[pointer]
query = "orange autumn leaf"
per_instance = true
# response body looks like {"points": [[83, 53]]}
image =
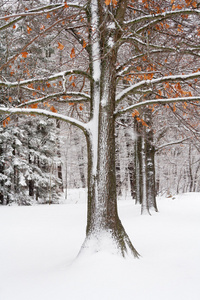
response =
{"points": [[65, 5], [60, 46], [46, 104], [84, 44], [24, 54], [114, 2], [42, 27], [52, 108], [71, 103], [6, 19], [70, 78], [81, 107], [73, 84], [30, 85], [135, 113], [194, 4], [5, 122], [48, 16], [29, 29], [142, 121], [35, 105], [179, 86], [72, 55], [14, 26], [10, 99], [48, 84], [107, 2]]}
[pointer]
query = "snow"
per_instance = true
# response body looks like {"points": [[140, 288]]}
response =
{"points": [[39, 247], [96, 43]]}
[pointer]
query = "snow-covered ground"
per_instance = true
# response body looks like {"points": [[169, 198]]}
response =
{"points": [[39, 245]]}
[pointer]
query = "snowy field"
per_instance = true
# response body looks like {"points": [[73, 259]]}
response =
{"points": [[39, 245]]}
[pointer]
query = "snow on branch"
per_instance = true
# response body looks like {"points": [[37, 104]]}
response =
{"points": [[45, 113], [42, 79], [190, 51], [43, 9], [36, 11], [172, 143], [127, 66], [149, 83], [138, 41], [159, 17], [84, 98], [156, 101]]}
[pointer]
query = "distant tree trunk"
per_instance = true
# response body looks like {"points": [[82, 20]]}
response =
{"points": [[150, 155], [145, 163], [138, 161], [145, 202], [80, 162], [117, 164], [59, 166], [2, 173], [131, 164]]}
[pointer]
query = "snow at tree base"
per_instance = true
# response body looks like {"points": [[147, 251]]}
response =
{"points": [[40, 244]]}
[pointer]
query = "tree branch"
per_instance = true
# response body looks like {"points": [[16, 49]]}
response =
{"points": [[148, 83], [155, 18], [50, 78], [156, 101], [172, 143], [45, 113]]}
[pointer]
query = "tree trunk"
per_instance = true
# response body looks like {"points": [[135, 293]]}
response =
{"points": [[103, 223]]}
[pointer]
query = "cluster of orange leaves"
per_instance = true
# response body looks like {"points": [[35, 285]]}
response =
{"points": [[136, 114], [108, 2], [6, 121]]}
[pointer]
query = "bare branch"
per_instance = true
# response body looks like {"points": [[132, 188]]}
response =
{"points": [[172, 143]]}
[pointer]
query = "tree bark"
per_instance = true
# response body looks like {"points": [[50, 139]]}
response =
{"points": [[103, 223]]}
